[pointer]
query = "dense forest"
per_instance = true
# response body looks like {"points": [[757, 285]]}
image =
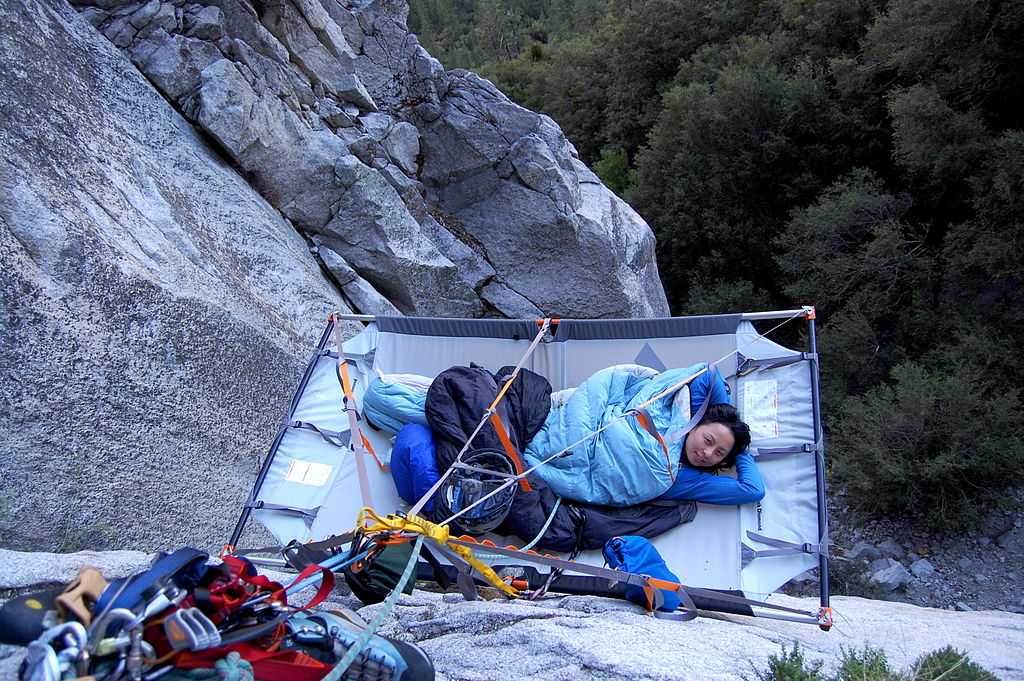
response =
{"points": [[863, 156]]}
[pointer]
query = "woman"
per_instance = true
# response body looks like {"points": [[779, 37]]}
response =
{"points": [[719, 441]]}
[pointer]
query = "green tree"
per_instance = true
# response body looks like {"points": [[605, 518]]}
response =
{"points": [[984, 257], [645, 41], [734, 147], [568, 83], [853, 249], [939, 444]]}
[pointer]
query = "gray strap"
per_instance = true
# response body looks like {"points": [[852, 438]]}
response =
{"points": [[785, 548], [684, 592], [351, 358], [695, 419], [304, 512], [766, 453], [333, 437], [464, 576], [748, 365]]}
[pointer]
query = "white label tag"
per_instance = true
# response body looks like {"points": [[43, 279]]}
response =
{"points": [[309, 473], [761, 408]]}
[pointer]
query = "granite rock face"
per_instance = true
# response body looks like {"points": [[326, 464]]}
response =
{"points": [[444, 196], [156, 312], [188, 188]]}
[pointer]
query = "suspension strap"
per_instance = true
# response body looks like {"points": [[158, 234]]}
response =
{"points": [[353, 421], [506, 444], [429, 494]]}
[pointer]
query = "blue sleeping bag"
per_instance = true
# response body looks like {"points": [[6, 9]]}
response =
{"points": [[624, 464], [393, 401]]}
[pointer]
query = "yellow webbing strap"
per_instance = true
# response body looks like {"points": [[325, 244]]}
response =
{"points": [[438, 533]]}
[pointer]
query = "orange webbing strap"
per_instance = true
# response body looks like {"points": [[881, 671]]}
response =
{"points": [[645, 419], [369, 448], [543, 324], [353, 422], [506, 444], [346, 385]]}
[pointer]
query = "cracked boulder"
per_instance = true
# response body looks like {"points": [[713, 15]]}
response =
{"points": [[157, 312], [484, 207]]}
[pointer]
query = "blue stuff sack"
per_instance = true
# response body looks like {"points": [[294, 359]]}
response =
{"points": [[638, 556], [414, 464]]}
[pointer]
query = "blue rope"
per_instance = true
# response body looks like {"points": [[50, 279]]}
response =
{"points": [[389, 603]]}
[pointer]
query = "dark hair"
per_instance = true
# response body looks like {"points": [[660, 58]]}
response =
{"points": [[729, 416]]}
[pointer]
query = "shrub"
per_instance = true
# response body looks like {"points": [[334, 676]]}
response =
{"points": [[949, 665], [936, 442], [870, 664], [790, 666]]}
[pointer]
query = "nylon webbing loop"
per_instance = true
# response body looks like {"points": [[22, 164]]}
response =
{"points": [[329, 436], [784, 548], [506, 444], [645, 419], [304, 512], [350, 357], [748, 365], [767, 453]]}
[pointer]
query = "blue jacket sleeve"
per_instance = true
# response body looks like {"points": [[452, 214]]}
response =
{"points": [[695, 485], [709, 385]]}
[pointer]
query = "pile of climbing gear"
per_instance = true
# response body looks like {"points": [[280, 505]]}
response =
{"points": [[185, 618]]}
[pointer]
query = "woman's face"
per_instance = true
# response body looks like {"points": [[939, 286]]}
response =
{"points": [[708, 444]]}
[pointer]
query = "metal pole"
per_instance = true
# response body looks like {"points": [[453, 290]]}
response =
{"points": [[745, 316], [819, 461], [247, 509]]}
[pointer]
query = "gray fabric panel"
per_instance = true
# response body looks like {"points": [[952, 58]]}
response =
{"points": [[666, 327], [514, 329]]}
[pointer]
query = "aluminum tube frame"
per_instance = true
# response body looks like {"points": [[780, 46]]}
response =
{"points": [[745, 316], [819, 463], [265, 468]]}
